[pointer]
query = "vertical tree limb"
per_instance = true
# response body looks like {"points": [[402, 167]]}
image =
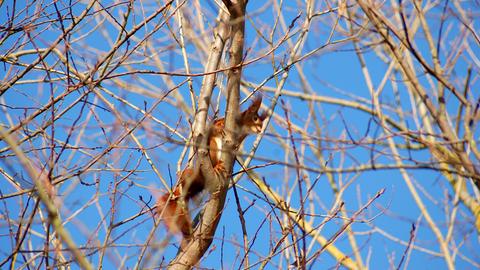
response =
{"points": [[217, 184]]}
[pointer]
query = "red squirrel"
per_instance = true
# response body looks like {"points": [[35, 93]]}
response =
{"points": [[172, 208]]}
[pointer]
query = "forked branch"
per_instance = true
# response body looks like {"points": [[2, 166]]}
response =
{"points": [[217, 184]]}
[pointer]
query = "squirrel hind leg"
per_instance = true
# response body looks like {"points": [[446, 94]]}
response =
{"points": [[192, 182]]}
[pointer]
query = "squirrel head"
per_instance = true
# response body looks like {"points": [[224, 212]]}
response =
{"points": [[250, 120]]}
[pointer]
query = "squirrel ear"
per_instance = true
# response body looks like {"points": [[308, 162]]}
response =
{"points": [[256, 102], [263, 115]]}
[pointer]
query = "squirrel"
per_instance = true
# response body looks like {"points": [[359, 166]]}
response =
{"points": [[172, 208]]}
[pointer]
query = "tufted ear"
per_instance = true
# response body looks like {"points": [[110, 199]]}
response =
{"points": [[256, 102], [263, 115]]}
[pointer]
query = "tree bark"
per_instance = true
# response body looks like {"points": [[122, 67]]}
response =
{"points": [[217, 184]]}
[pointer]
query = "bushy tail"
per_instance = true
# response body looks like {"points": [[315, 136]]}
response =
{"points": [[172, 208], [173, 211]]}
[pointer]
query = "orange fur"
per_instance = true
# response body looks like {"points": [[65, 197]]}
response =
{"points": [[173, 211], [173, 208]]}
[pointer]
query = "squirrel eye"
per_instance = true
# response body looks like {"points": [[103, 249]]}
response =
{"points": [[255, 118]]}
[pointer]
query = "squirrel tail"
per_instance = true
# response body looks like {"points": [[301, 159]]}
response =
{"points": [[173, 211]]}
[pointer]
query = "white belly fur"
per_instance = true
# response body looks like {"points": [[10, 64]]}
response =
{"points": [[218, 142]]}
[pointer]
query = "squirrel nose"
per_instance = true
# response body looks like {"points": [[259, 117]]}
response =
{"points": [[257, 129]]}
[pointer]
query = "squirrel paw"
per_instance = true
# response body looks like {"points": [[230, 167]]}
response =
{"points": [[219, 167]]}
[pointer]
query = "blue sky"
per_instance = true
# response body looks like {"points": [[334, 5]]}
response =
{"points": [[125, 173]]}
